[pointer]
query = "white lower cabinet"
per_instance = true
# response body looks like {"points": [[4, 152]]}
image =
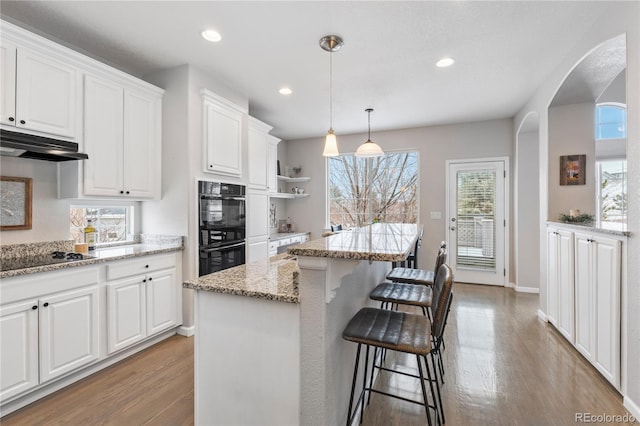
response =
{"points": [[560, 279], [46, 338], [584, 281], [18, 348], [141, 305], [597, 283], [257, 250]]}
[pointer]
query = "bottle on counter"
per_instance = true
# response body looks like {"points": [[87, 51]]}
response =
{"points": [[90, 235]]}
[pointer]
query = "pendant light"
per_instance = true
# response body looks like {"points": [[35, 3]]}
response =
{"points": [[369, 148], [331, 43]]}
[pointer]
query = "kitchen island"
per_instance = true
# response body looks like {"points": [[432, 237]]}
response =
{"points": [[268, 346]]}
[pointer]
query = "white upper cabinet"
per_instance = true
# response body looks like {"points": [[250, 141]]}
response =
{"points": [[39, 91], [222, 134], [272, 163], [258, 134], [7, 83], [122, 139]]}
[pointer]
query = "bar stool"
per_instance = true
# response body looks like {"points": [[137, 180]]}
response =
{"points": [[402, 332], [417, 276]]}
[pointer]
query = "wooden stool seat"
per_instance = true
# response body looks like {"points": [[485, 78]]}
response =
{"points": [[405, 294]]}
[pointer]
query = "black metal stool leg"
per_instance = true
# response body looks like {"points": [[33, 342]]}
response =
{"points": [[424, 390], [353, 384], [373, 368], [364, 383], [433, 393], [433, 362]]}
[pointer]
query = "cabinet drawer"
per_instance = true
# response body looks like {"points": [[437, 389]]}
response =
{"points": [[141, 265]]}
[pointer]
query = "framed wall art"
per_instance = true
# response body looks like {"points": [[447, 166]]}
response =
{"points": [[572, 169], [15, 195]]}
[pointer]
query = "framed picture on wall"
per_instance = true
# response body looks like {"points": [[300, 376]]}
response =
{"points": [[572, 169], [15, 195]]}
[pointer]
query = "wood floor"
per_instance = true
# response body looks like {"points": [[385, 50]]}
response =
{"points": [[503, 366]]}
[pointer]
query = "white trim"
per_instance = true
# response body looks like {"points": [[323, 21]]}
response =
{"points": [[533, 290], [186, 331], [542, 316], [632, 407]]}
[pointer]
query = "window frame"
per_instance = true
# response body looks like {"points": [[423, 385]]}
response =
{"points": [[598, 124]]}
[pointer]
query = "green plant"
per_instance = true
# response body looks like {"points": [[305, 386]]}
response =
{"points": [[584, 218]]}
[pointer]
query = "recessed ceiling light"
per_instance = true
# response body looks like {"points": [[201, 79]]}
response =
{"points": [[285, 91], [445, 62], [211, 35]]}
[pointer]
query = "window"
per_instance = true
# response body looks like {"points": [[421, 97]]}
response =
{"points": [[611, 121], [612, 197], [391, 180], [112, 223]]}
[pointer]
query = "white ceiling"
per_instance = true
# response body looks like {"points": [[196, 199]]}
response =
{"points": [[504, 51]]}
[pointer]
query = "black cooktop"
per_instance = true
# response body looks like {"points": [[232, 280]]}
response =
{"points": [[42, 260]]}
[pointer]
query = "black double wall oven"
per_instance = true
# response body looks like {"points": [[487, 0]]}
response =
{"points": [[222, 226]]}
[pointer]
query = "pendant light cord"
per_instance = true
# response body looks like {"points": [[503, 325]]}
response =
{"points": [[331, 90]]}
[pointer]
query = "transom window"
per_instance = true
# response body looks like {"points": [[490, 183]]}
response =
{"points": [[611, 121], [381, 189], [112, 223]]}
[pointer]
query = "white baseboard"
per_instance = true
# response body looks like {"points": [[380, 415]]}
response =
{"points": [[632, 407], [534, 290], [542, 316], [186, 331]]}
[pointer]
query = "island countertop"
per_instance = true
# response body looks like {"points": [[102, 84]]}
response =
{"points": [[386, 242], [272, 279]]}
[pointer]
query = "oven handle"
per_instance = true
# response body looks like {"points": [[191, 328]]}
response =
{"points": [[221, 197], [223, 248]]}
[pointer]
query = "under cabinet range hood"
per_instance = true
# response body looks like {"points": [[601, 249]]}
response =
{"points": [[38, 147]]}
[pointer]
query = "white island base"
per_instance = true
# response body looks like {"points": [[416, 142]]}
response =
{"points": [[267, 362]]}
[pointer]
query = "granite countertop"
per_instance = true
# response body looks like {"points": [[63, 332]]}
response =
{"points": [[15, 256], [387, 242], [272, 279], [591, 228]]}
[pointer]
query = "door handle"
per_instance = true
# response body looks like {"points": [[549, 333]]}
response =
{"points": [[453, 228]]}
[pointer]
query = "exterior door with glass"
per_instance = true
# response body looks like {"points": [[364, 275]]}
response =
{"points": [[476, 220]]}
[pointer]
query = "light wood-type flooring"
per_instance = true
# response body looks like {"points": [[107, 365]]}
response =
{"points": [[503, 366]]}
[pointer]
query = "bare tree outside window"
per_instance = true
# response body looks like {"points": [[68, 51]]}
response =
{"points": [[392, 180]]}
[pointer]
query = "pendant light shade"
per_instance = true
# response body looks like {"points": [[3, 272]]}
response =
{"points": [[331, 43], [369, 148], [330, 145]]}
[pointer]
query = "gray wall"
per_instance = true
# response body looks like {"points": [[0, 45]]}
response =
{"points": [[435, 145], [571, 132]]}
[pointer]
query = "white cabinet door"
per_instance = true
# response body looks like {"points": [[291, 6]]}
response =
{"points": [[126, 313], [161, 300], [257, 153], [45, 94], [68, 331], [18, 348], [272, 163], [103, 137], [142, 144], [223, 137], [566, 285], [585, 297], [606, 262], [257, 214], [258, 250], [7, 83], [552, 276]]}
